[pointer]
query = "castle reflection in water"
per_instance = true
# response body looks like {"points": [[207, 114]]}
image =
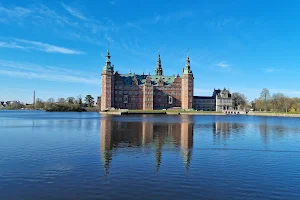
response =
{"points": [[117, 134]]}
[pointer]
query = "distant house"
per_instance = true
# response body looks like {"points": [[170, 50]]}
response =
{"points": [[220, 101]]}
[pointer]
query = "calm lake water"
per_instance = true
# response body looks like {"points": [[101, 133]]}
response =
{"points": [[89, 156]]}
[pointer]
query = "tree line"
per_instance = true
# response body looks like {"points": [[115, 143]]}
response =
{"points": [[61, 104], [268, 102], [276, 102]]}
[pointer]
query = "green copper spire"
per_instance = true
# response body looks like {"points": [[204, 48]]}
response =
{"points": [[107, 65], [158, 70], [187, 69]]}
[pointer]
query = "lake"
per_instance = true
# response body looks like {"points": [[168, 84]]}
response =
{"points": [[92, 156]]}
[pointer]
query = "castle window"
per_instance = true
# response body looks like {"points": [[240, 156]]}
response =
{"points": [[120, 92], [170, 100]]}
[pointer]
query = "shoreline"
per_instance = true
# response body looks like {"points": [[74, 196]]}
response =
{"points": [[161, 112], [164, 112]]}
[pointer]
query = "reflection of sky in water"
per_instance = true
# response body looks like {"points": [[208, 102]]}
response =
{"points": [[217, 157]]}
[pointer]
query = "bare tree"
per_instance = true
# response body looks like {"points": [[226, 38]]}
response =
{"points": [[265, 96], [51, 100], [39, 104], [61, 100], [239, 100]]}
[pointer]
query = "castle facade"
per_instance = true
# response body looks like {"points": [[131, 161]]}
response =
{"points": [[146, 92], [157, 91]]}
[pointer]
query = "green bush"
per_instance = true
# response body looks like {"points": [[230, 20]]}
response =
{"points": [[63, 107]]}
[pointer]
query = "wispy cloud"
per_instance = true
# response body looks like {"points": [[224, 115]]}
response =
{"points": [[135, 26], [48, 73], [34, 45], [270, 70], [11, 45], [47, 15], [50, 48], [113, 3], [222, 64], [175, 16], [74, 12], [108, 38], [14, 11]]}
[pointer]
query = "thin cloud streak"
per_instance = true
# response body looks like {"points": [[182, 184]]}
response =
{"points": [[11, 45], [74, 12], [14, 12], [34, 45], [270, 70], [48, 73], [223, 64]]}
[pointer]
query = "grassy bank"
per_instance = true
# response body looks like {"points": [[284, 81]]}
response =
{"points": [[275, 114]]}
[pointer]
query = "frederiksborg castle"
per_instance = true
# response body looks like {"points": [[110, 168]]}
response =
{"points": [[157, 91]]}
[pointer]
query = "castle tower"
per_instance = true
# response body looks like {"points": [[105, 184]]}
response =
{"points": [[187, 86], [107, 97], [158, 70], [148, 95]]}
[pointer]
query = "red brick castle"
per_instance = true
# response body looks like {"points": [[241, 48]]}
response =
{"points": [[146, 92]]}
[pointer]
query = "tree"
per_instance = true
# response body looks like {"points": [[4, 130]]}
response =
{"points": [[51, 100], [278, 102], [39, 104], [61, 100], [89, 100], [71, 100], [292, 110], [265, 96], [15, 106], [239, 100], [79, 99]]}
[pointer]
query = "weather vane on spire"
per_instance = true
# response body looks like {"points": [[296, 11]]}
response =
{"points": [[187, 52], [107, 46]]}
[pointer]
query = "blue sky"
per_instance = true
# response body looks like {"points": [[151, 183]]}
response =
{"points": [[57, 47]]}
